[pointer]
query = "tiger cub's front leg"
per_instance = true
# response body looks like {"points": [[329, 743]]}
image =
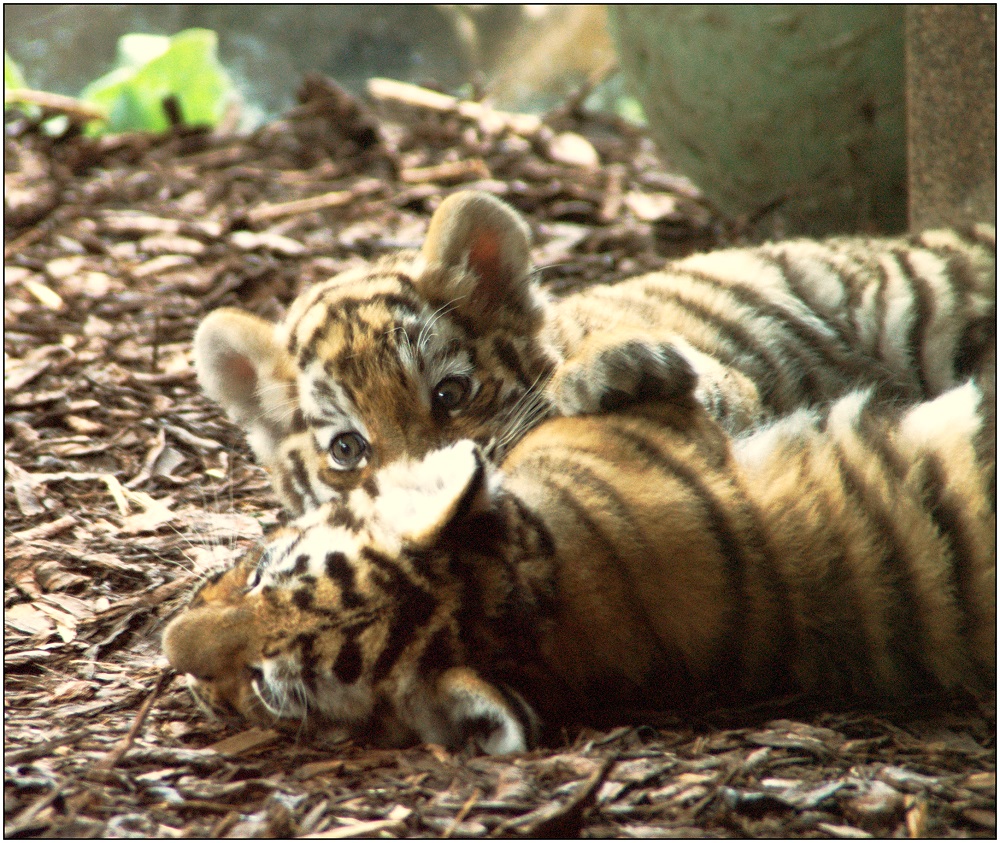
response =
{"points": [[612, 371]]}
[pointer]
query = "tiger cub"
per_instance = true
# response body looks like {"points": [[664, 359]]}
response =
{"points": [[640, 559], [458, 341]]}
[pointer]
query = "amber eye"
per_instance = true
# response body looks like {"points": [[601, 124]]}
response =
{"points": [[347, 450], [451, 393]]}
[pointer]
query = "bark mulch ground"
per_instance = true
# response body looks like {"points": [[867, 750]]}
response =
{"points": [[123, 485]]}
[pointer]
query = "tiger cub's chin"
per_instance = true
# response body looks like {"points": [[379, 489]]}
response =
{"points": [[633, 560]]}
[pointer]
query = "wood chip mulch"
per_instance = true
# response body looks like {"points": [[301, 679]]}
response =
{"points": [[123, 485]]}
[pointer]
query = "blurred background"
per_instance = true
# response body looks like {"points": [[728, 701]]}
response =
{"points": [[796, 112], [524, 57]]}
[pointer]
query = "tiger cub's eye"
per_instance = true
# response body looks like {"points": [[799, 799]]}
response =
{"points": [[347, 450], [254, 579], [451, 393]]}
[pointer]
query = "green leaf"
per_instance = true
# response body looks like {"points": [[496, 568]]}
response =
{"points": [[152, 68], [137, 49], [12, 76]]}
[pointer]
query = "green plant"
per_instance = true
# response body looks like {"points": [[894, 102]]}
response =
{"points": [[12, 76], [152, 68]]}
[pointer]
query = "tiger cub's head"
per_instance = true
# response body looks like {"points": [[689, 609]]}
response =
{"points": [[412, 353], [347, 620]]}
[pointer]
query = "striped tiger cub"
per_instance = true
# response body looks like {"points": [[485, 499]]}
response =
{"points": [[458, 341], [636, 559]]}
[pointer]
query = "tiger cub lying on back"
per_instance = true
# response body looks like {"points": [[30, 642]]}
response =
{"points": [[635, 559], [458, 341]]}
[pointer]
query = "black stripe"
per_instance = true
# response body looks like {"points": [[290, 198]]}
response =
{"points": [[439, 654], [949, 516], [290, 495], [856, 287], [301, 475], [794, 277], [287, 551], [324, 390], [922, 310], [487, 403], [850, 319], [306, 641], [340, 571], [872, 427], [314, 293], [524, 714], [906, 636], [809, 340], [414, 606], [211, 579], [959, 272], [540, 530], [509, 356], [342, 516], [837, 352], [349, 663], [844, 647], [978, 339]]}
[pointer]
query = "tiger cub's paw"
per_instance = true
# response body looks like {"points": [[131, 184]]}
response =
{"points": [[615, 376]]}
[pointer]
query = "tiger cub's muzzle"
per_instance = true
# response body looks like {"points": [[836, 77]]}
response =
{"points": [[213, 645]]}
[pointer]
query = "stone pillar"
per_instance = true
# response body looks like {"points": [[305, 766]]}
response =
{"points": [[951, 90]]}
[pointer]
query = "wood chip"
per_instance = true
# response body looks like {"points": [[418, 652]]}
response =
{"points": [[246, 741], [46, 295], [371, 828], [844, 832], [46, 531], [251, 240]]}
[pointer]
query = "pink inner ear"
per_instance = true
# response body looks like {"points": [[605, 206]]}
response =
{"points": [[484, 260], [239, 368]]}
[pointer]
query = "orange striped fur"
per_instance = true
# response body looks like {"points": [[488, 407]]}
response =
{"points": [[640, 558]]}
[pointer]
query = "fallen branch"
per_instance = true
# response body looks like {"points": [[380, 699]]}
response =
{"points": [[403, 92], [449, 171], [333, 199], [75, 109], [111, 760]]}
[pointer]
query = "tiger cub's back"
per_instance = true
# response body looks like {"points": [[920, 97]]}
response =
{"points": [[784, 325]]}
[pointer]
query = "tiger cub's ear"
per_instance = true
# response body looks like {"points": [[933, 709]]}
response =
{"points": [[421, 500], [243, 367], [476, 259]]}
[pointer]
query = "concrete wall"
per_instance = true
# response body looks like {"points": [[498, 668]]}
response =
{"points": [[951, 54]]}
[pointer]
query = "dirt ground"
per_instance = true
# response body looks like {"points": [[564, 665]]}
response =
{"points": [[123, 485]]}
